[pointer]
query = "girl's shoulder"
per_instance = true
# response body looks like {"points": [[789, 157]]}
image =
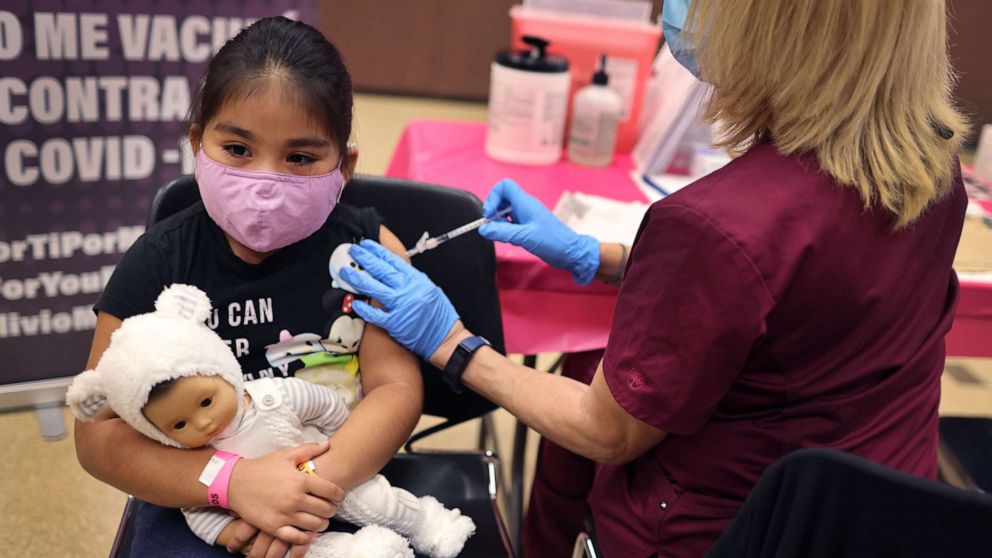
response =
{"points": [[356, 222]]}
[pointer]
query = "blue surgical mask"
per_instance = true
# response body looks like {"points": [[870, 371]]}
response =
{"points": [[672, 21]]}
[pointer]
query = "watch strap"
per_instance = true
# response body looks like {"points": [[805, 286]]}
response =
{"points": [[459, 360]]}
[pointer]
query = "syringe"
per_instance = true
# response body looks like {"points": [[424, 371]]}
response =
{"points": [[426, 243]]}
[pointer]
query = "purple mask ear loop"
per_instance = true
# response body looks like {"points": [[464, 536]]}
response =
{"points": [[344, 182]]}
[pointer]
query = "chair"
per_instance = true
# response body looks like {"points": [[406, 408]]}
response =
{"points": [[125, 530], [585, 547], [585, 543], [466, 270], [965, 452], [820, 503], [172, 197]]}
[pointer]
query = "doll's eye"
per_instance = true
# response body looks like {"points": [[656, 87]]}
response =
{"points": [[206, 402], [180, 425]]}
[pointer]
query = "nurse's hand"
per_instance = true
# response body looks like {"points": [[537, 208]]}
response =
{"points": [[538, 231], [417, 313]]}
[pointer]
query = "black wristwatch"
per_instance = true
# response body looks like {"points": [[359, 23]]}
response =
{"points": [[459, 361]]}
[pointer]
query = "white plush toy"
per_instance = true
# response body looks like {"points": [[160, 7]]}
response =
{"points": [[174, 352], [340, 258]]}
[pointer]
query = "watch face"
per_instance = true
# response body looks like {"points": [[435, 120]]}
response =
{"points": [[473, 343]]}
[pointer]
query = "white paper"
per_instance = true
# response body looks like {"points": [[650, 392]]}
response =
{"points": [[606, 219], [673, 103]]}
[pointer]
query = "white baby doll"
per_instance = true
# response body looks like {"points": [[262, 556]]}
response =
{"points": [[174, 380]]}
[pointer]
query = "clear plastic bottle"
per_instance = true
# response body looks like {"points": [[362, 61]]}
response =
{"points": [[595, 117]]}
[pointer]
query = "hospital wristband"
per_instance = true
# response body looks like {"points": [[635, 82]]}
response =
{"points": [[216, 476]]}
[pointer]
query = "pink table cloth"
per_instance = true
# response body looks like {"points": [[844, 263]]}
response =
{"points": [[971, 333], [543, 310]]}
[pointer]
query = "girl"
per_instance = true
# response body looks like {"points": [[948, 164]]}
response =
{"points": [[269, 128]]}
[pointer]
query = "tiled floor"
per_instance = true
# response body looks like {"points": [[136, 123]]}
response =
{"points": [[50, 507]]}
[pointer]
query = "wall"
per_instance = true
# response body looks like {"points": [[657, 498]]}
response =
{"points": [[443, 48], [438, 48], [970, 35]]}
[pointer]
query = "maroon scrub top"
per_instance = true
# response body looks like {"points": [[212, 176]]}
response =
{"points": [[764, 310]]}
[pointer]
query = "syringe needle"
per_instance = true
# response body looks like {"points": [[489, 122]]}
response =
{"points": [[425, 243]]}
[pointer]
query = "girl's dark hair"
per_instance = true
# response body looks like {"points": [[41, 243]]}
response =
{"points": [[280, 48]]}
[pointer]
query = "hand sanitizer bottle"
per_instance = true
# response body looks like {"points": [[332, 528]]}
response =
{"points": [[595, 117]]}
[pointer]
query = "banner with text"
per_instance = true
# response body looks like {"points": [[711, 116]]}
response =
{"points": [[93, 99]]}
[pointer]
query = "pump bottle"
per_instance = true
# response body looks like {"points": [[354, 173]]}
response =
{"points": [[596, 114]]}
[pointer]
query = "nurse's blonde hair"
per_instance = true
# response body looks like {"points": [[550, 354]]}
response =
{"points": [[863, 84]]}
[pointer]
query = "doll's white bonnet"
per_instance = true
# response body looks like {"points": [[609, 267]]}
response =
{"points": [[147, 349]]}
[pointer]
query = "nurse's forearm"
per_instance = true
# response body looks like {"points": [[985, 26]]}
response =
{"points": [[559, 408]]}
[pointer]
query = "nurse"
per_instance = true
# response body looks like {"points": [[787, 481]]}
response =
{"points": [[798, 297]]}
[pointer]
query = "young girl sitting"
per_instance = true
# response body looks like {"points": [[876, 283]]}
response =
{"points": [[269, 126], [176, 381]]}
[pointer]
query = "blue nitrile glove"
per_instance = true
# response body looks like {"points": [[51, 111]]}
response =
{"points": [[538, 231], [418, 314]]}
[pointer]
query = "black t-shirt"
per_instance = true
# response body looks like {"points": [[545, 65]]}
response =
{"points": [[253, 304]]}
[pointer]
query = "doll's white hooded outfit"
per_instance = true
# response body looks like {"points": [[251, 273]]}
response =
{"points": [[174, 342]]}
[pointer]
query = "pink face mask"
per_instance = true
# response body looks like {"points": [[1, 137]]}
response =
{"points": [[266, 211]]}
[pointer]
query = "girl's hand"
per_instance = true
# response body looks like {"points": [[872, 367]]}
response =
{"points": [[267, 546], [270, 493], [248, 540], [237, 536], [298, 551]]}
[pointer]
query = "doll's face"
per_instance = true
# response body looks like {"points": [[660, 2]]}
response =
{"points": [[195, 410]]}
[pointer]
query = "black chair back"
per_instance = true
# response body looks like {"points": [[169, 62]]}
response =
{"points": [[826, 503], [465, 268], [172, 197]]}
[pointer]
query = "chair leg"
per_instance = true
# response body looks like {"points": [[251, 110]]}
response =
{"points": [[487, 432], [585, 547], [122, 544], [517, 474], [517, 484], [516, 504], [486, 429]]}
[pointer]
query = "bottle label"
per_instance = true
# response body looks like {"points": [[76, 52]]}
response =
{"points": [[526, 113], [593, 138]]}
